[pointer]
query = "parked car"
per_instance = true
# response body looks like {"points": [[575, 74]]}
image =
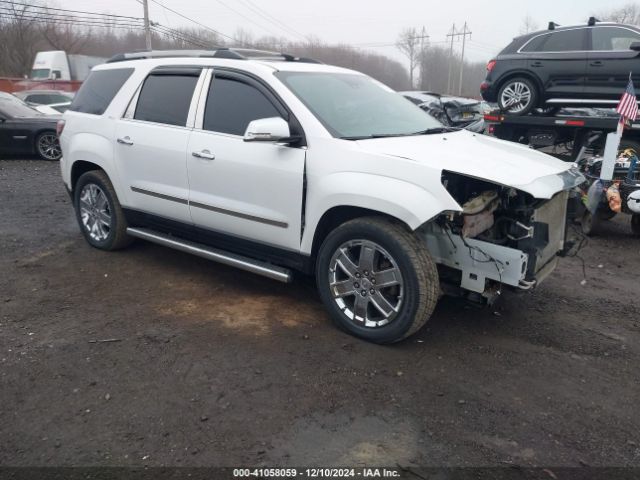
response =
{"points": [[452, 111], [584, 65], [276, 164], [50, 102], [23, 130]]}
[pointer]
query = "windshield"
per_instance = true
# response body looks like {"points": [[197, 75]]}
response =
{"points": [[12, 107], [37, 73], [356, 106]]}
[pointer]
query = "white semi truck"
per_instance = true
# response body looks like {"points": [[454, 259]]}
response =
{"points": [[58, 65]]}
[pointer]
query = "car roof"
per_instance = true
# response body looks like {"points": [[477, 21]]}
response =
{"points": [[254, 65], [573, 27]]}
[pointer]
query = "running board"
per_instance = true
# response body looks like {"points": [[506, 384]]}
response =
{"points": [[244, 263]]}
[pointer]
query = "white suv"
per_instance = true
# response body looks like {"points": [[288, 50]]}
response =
{"points": [[277, 164]]}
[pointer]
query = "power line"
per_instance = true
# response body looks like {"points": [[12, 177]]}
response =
{"points": [[72, 23], [190, 19], [69, 18], [46, 9], [270, 18]]}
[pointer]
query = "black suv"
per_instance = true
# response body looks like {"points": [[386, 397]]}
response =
{"points": [[585, 65]]}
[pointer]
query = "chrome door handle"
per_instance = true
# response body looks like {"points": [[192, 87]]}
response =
{"points": [[597, 63], [205, 154], [125, 141]]}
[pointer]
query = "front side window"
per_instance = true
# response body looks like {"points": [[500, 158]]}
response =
{"points": [[232, 104], [356, 106], [40, 73], [612, 38], [99, 89], [166, 98]]}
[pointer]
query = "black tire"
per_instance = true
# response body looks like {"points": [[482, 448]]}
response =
{"points": [[533, 99], [635, 224], [116, 233], [47, 146], [419, 278]]}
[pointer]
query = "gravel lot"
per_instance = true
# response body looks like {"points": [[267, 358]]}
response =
{"points": [[214, 366]]}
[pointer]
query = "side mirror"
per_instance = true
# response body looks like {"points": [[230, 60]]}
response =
{"points": [[274, 129], [635, 46]]}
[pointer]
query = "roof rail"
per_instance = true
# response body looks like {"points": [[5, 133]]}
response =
{"points": [[228, 53], [592, 21], [553, 25]]}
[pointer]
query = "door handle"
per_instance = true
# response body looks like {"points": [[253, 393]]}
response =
{"points": [[125, 141], [596, 64], [537, 64], [204, 154]]}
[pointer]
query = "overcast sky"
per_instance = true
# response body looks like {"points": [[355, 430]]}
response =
{"points": [[364, 23]]}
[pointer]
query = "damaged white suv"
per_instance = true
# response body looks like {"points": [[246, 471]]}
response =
{"points": [[276, 164]]}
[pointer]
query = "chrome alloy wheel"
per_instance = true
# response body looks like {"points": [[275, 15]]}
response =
{"points": [[95, 212], [516, 97], [366, 283], [49, 146]]}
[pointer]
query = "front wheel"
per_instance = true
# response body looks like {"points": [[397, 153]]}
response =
{"points": [[518, 96], [377, 279]]}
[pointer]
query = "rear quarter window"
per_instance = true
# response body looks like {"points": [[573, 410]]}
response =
{"points": [[99, 89]]}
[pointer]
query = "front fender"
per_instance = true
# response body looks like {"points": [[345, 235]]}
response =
{"points": [[405, 201]]}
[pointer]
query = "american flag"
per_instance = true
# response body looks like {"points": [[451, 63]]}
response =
{"points": [[628, 106]]}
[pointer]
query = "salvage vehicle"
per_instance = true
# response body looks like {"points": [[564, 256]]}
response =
{"points": [[56, 101], [584, 65], [277, 164], [25, 131], [451, 111]]}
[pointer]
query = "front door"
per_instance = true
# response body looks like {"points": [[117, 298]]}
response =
{"points": [[250, 190], [151, 145], [611, 61]]}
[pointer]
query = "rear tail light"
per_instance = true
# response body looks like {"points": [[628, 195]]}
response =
{"points": [[60, 127], [491, 65]]}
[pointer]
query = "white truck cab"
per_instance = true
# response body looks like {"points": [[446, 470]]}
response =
{"points": [[58, 65], [276, 164]]}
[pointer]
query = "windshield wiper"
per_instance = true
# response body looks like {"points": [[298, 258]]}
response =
{"points": [[428, 131], [434, 130]]}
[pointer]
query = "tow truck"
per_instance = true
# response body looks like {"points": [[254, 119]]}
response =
{"points": [[580, 136]]}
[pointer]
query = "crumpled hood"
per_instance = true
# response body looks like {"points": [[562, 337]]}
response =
{"points": [[482, 157]]}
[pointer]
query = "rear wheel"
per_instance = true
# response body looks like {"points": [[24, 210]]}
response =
{"points": [[48, 147], [99, 213], [377, 279], [518, 96]]}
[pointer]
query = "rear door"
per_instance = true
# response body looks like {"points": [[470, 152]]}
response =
{"points": [[152, 139], [559, 60], [611, 61], [250, 190]]}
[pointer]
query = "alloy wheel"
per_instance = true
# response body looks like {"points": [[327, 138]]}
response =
{"points": [[49, 146], [366, 283], [516, 97], [95, 212]]}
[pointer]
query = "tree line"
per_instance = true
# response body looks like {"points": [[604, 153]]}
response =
{"points": [[29, 27]]}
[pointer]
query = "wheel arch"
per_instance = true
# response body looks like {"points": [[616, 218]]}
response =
{"points": [[81, 167]]}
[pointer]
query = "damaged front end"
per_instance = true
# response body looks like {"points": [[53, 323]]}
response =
{"points": [[502, 236]]}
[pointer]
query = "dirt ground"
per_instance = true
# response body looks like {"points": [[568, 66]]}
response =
{"points": [[153, 357]]}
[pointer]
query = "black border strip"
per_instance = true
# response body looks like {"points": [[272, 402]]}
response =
{"points": [[266, 221]]}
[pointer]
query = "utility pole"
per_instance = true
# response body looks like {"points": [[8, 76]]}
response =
{"points": [[452, 34], [147, 24], [465, 32]]}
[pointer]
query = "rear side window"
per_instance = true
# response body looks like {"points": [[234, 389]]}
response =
{"points": [[565, 41], [231, 105], [613, 38], [98, 90], [166, 98]]}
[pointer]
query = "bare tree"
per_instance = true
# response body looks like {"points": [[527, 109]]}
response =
{"points": [[528, 25], [19, 34], [409, 44], [629, 13]]}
